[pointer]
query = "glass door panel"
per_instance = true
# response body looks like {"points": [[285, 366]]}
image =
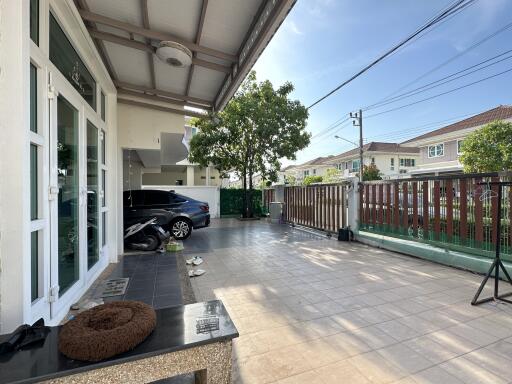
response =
{"points": [[92, 196], [69, 194]]}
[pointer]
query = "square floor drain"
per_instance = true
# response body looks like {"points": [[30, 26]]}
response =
{"points": [[115, 287]]}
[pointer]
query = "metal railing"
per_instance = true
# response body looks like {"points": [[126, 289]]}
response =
{"points": [[321, 206], [457, 211]]}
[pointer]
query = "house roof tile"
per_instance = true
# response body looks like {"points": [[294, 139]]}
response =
{"points": [[375, 146], [501, 112]]}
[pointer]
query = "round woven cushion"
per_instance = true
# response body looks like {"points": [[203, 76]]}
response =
{"points": [[107, 330]]}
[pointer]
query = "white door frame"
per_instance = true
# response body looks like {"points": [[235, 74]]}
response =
{"points": [[61, 87], [60, 304]]}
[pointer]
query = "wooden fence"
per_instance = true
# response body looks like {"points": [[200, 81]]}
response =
{"points": [[322, 206], [269, 196], [456, 211]]}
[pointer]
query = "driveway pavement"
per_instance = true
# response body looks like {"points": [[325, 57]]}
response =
{"points": [[314, 310]]}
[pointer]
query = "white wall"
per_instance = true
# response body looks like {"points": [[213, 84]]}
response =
{"points": [[164, 178], [132, 175], [140, 128], [14, 164], [210, 194]]}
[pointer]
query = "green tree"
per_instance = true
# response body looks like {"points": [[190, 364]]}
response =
{"points": [[312, 179], [290, 180], [332, 175], [371, 172], [258, 127], [488, 149]]}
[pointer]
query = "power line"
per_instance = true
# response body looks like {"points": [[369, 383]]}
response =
{"points": [[455, 57], [331, 126], [452, 15], [440, 94], [436, 19], [328, 134], [439, 82]]}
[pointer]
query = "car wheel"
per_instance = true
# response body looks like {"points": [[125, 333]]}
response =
{"points": [[181, 228]]}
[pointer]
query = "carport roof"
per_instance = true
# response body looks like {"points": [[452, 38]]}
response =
{"points": [[225, 37]]}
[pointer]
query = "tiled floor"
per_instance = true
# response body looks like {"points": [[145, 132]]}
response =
{"points": [[153, 279], [314, 310]]}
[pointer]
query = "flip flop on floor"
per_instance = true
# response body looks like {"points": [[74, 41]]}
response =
{"points": [[197, 261], [196, 272], [193, 260]]}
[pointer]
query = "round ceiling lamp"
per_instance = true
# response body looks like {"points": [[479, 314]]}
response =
{"points": [[174, 54]]}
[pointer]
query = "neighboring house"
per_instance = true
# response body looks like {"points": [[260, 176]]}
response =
{"points": [[285, 174], [315, 167], [440, 149], [392, 159]]}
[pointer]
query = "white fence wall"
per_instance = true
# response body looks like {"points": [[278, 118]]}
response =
{"points": [[209, 194]]}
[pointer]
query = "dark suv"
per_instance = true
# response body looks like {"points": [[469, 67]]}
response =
{"points": [[175, 213]]}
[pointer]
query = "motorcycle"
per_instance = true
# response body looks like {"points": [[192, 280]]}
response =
{"points": [[145, 236]]}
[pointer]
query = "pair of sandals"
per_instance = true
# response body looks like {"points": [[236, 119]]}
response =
{"points": [[195, 261]]}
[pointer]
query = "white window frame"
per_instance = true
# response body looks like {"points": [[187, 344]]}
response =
{"points": [[104, 209], [436, 152], [38, 58]]}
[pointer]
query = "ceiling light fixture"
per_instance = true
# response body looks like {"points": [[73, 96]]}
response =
{"points": [[174, 54]]}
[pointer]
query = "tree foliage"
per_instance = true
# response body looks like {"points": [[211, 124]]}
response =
{"points": [[312, 179], [488, 149], [371, 172], [290, 180], [258, 127], [332, 175]]}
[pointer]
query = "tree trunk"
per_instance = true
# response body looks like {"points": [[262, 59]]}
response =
{"points": [[250, 207], [244, 184]]}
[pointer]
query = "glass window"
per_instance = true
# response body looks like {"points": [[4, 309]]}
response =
{"points": [[33, 98], [68, 166], [69, 63], [103, 147], [33, 183], [133, 198], [459, 146], [156, 198], [92, 196], [34, 21], [104, 228], [104, 189], [103, 106], [34, 265], [436, 150], [355, 165]]}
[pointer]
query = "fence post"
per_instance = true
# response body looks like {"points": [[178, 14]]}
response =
{"points": [[279, 193], [353, 197]]}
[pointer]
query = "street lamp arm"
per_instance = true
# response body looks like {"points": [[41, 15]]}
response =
{"points": [[348, 141]]}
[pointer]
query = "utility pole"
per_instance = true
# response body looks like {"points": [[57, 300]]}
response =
{"points": [[359, 117]]}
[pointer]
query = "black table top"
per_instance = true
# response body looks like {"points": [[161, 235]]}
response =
{"points": [[177, 328]]}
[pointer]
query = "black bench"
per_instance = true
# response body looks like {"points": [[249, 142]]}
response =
{"points": [[190, 338]]}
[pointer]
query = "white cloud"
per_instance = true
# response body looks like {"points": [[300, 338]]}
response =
{"points": [[293, 27]]}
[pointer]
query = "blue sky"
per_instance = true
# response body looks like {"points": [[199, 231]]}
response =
{"points": [[323, 42]]}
